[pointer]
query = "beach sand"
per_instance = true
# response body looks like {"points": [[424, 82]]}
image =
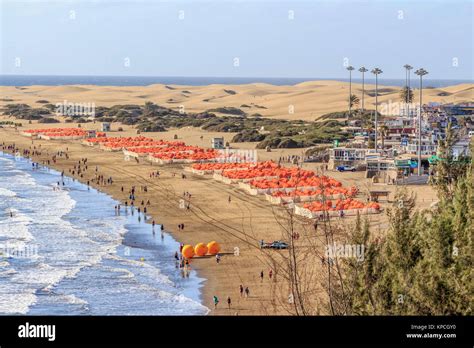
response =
{"points": [[240, 223], [303, 101]]}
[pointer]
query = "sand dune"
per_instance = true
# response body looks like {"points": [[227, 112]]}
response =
{"points": [[309, 100]]}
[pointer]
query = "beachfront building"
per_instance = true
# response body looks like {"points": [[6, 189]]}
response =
{"points": [[428, 147], [461, 148], [382, 170], [346, 156], [398, 137]]}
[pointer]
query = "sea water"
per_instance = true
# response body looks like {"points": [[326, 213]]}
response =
{"points": [[45, 80], [65, 251]]}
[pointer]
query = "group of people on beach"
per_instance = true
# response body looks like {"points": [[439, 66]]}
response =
{"points": [[244, 291], [216, 301]]}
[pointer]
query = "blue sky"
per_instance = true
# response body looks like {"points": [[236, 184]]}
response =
{"points": [[99, 37]]}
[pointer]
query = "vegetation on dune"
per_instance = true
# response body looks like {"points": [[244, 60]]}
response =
{"points": [[10, 123], [48, 120], [228, 110], [356, 114], [249, 135], [25, 112], [151, 117]]}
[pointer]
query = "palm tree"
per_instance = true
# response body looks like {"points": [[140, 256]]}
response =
{"points": [[370, 129], [350, 68], [354, 100], [408, 95], [420, 72], [363, 70], [376, 72], [383, 133]]}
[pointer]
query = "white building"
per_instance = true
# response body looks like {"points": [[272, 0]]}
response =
{"points": [[461, 148], [346, 156]]}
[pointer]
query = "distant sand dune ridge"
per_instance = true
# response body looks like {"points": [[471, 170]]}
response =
{"points": [[307, 101]]}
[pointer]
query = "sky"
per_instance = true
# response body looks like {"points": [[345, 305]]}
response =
{"points": [[236, 38]]}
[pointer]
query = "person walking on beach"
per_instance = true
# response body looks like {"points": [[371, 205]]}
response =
{"points": [[270, 274], [216, 301], [247, 292], [261, 276], [229, 199], [229, 301], [218, 258], [241, 289]]}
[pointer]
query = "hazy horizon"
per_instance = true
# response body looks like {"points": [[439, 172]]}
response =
{"points": [[110, 80], [341, 78], [235, 38]]}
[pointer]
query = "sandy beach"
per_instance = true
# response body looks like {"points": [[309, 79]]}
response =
{"points": [[240, 223]]}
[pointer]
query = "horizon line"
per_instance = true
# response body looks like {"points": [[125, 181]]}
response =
{"points": [[235, 77]]}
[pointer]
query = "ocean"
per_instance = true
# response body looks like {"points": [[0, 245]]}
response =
{"points": [[66, 252], [29, 80]]}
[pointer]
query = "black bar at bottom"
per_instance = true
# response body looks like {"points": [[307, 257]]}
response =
{"points": [[427, 331]]}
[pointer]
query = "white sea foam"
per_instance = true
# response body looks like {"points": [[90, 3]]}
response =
{"points": [[6, 193], [16, 303], [144, 267], [125, 273], [15, 228], [72, 299], [72, 237]]}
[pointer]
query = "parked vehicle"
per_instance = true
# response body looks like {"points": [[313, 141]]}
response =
{"points": [[278, 244], [346, 168]]}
